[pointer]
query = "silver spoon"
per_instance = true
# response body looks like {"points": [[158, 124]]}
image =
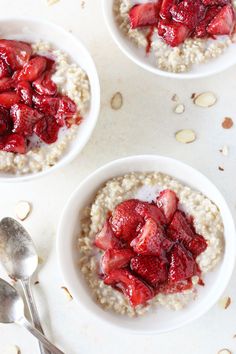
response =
{"points": [[19, 258], [12, 311]]}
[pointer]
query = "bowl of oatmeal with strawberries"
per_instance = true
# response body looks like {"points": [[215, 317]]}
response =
{"points": [[149, 246], [181, 39], [49, 98]]}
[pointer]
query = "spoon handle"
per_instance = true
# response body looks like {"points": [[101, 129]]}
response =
{"points": [[33, 311], [41, 337]]}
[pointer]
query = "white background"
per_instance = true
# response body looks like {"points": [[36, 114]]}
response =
{"points": [[145, 124]]}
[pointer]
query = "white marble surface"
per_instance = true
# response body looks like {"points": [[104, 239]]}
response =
{"points": [[145, 124]]}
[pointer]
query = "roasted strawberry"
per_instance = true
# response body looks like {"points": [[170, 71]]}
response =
{"points": [[8, 99], [33, 69], [5, 121], [150, 268], [125, 222], [149, 210], [197, 245], [188, 12], [6, 84], [15, 53], [106, 239], [134, 289], [165, 9], [44, 85], [47, 129], [66, 110], [115, 259], [25, 91], [24, 119], [223, 22], [182, 264], [144, 14], [4, 69], [201, 28], [173, 33], [167, 201], [46, 104], [180, 229], [149, 240], [215, 2], [13, 143]]}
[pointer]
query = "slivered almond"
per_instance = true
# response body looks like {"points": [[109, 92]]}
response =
{"points": [[185, 136], [22, 209], [67, 293], [117, 101], [224, 351], [205, 99], [179, 109], [225, 302]]}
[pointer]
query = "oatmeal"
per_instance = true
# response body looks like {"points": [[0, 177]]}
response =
{"points": [[49, 97], [172, 46], [206, 221]]}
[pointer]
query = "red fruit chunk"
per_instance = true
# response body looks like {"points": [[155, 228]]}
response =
{"points": [[201, 28], [223, 22], [173, 33], [180, 229], [44, 85], [46, 104], [144, 14], [167, 202], [4, 69], [182, 264], [8, 99], [47, 129], [33, 69], [13, 143], [50, 64], [6, 84], [15, 53], [24, 119], [25, 91], [149, 240], [197, 245], [165, 9], [215, 2], [66, 110], [134, 289], [148, 210], [5, 122], [106, 239], [188, 12], [125, 222], [115, 259], [150, 268]]}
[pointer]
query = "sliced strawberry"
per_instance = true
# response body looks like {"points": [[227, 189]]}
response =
{"points": [[5, 122], [115, 259], [15, 53], [182, 264], [66, 110], [197, 245], [165, 9], [180, 229], [173, 33], [188, 12], [134, 289], [4, 69], [125, 222], [46, 104], [150, 268], [47, 129], [106, 239], [6, 84], [25, 91], [168, 203], [149, 240], [24, 119], [44, 85], [13, 143], [148, 210], [33, 69], [8, 99], [223, 22], [201, 28], [144, 14]]}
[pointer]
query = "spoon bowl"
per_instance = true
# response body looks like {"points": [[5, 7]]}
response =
{"points": [[11, 304]]}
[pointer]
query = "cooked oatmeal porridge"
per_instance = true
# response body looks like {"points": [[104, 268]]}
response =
{"points": [[71, 82], [175, 57], [206, 220]]}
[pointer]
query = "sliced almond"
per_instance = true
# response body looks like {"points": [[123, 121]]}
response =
{"points": [[205, 99], [67, 293], [12, 349], [225, 150], [185, 136], [179, 109], [225, 302], [22, 209], [224, 351], [117, 101], [227, 123], [52, 2]]}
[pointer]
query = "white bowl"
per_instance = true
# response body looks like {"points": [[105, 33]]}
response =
{"points": [[138, 55], [32, 30], [161, 320]]}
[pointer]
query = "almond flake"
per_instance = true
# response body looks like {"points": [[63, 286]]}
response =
{"points": [[224, 351], [185, 136], [52, 2], [227, 123], [225, 302], [179, 109], [67, 293], [225, 150], [13, 349], [22, 209], [205, 99], [117, 101]]}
